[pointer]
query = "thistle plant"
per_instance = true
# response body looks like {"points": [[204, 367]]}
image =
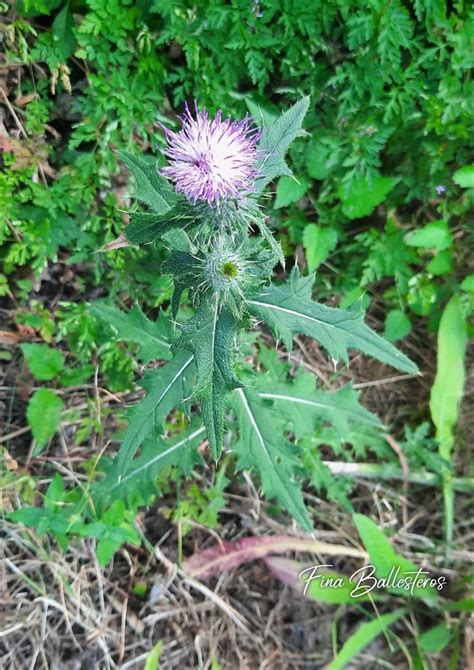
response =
{"points": [[203, 211]]}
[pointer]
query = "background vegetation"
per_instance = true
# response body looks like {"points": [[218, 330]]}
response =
{"points": [[380, 210]]}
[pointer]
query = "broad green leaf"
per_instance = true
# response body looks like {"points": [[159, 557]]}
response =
{"points": [[149, 187], [62, 30], [447, 391], [43, 362], [363, 196], [397, 325], [441, 264], [318, 242], [261, 446], [304, 406], [209, 334], [318, 161], [464, 177], [435, 639], [289, 309], [465, 605], [435, 235], [467, 284], [166, 388], [44, 414], [133, 326], [289, 190], [136, 482], [274, 144], [389, 565], [363, 636]]}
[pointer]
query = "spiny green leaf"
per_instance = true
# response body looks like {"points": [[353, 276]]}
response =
{"points": [[275, 141], [133, 326], [44, 414], [289, 309], [144, 227], [149, 187], [136, 482], [167, 388], [304, 405], [210, 335], [262, 446]]}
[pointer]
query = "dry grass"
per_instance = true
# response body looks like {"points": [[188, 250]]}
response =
{"points": [[62, 611]]}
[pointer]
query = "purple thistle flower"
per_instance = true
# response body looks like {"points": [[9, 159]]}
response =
{"points": [[211, 160]]}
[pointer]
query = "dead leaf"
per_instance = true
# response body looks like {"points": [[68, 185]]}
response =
{"points": [[120, 243], [229, 555], [23, 100], [9, 338]]}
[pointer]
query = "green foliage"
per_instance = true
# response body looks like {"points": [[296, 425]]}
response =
{"points": [[133, 326], [167, 388], [289, 309], [363, 636], [261, 447], [447, 390], [275, 142], [44, 414], [209, 335], [387, 187], [386, 561], [43, 362]]}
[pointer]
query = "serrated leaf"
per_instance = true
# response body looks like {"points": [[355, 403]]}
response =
{"points": [[318, 242], [43, 362], [304, 406], [289, 309], [44, 415], [435, 235], [136, 483], [274, 244], [318, 161], [274, 144], [209, 334], [167, 387], [289, 190], [261, 445], [397, 325], [149, 187], [363, 196], [133, 326], [144, 227], [464, 177]]}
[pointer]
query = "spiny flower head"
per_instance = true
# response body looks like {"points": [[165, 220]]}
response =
{"points": [[211, 160]]}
